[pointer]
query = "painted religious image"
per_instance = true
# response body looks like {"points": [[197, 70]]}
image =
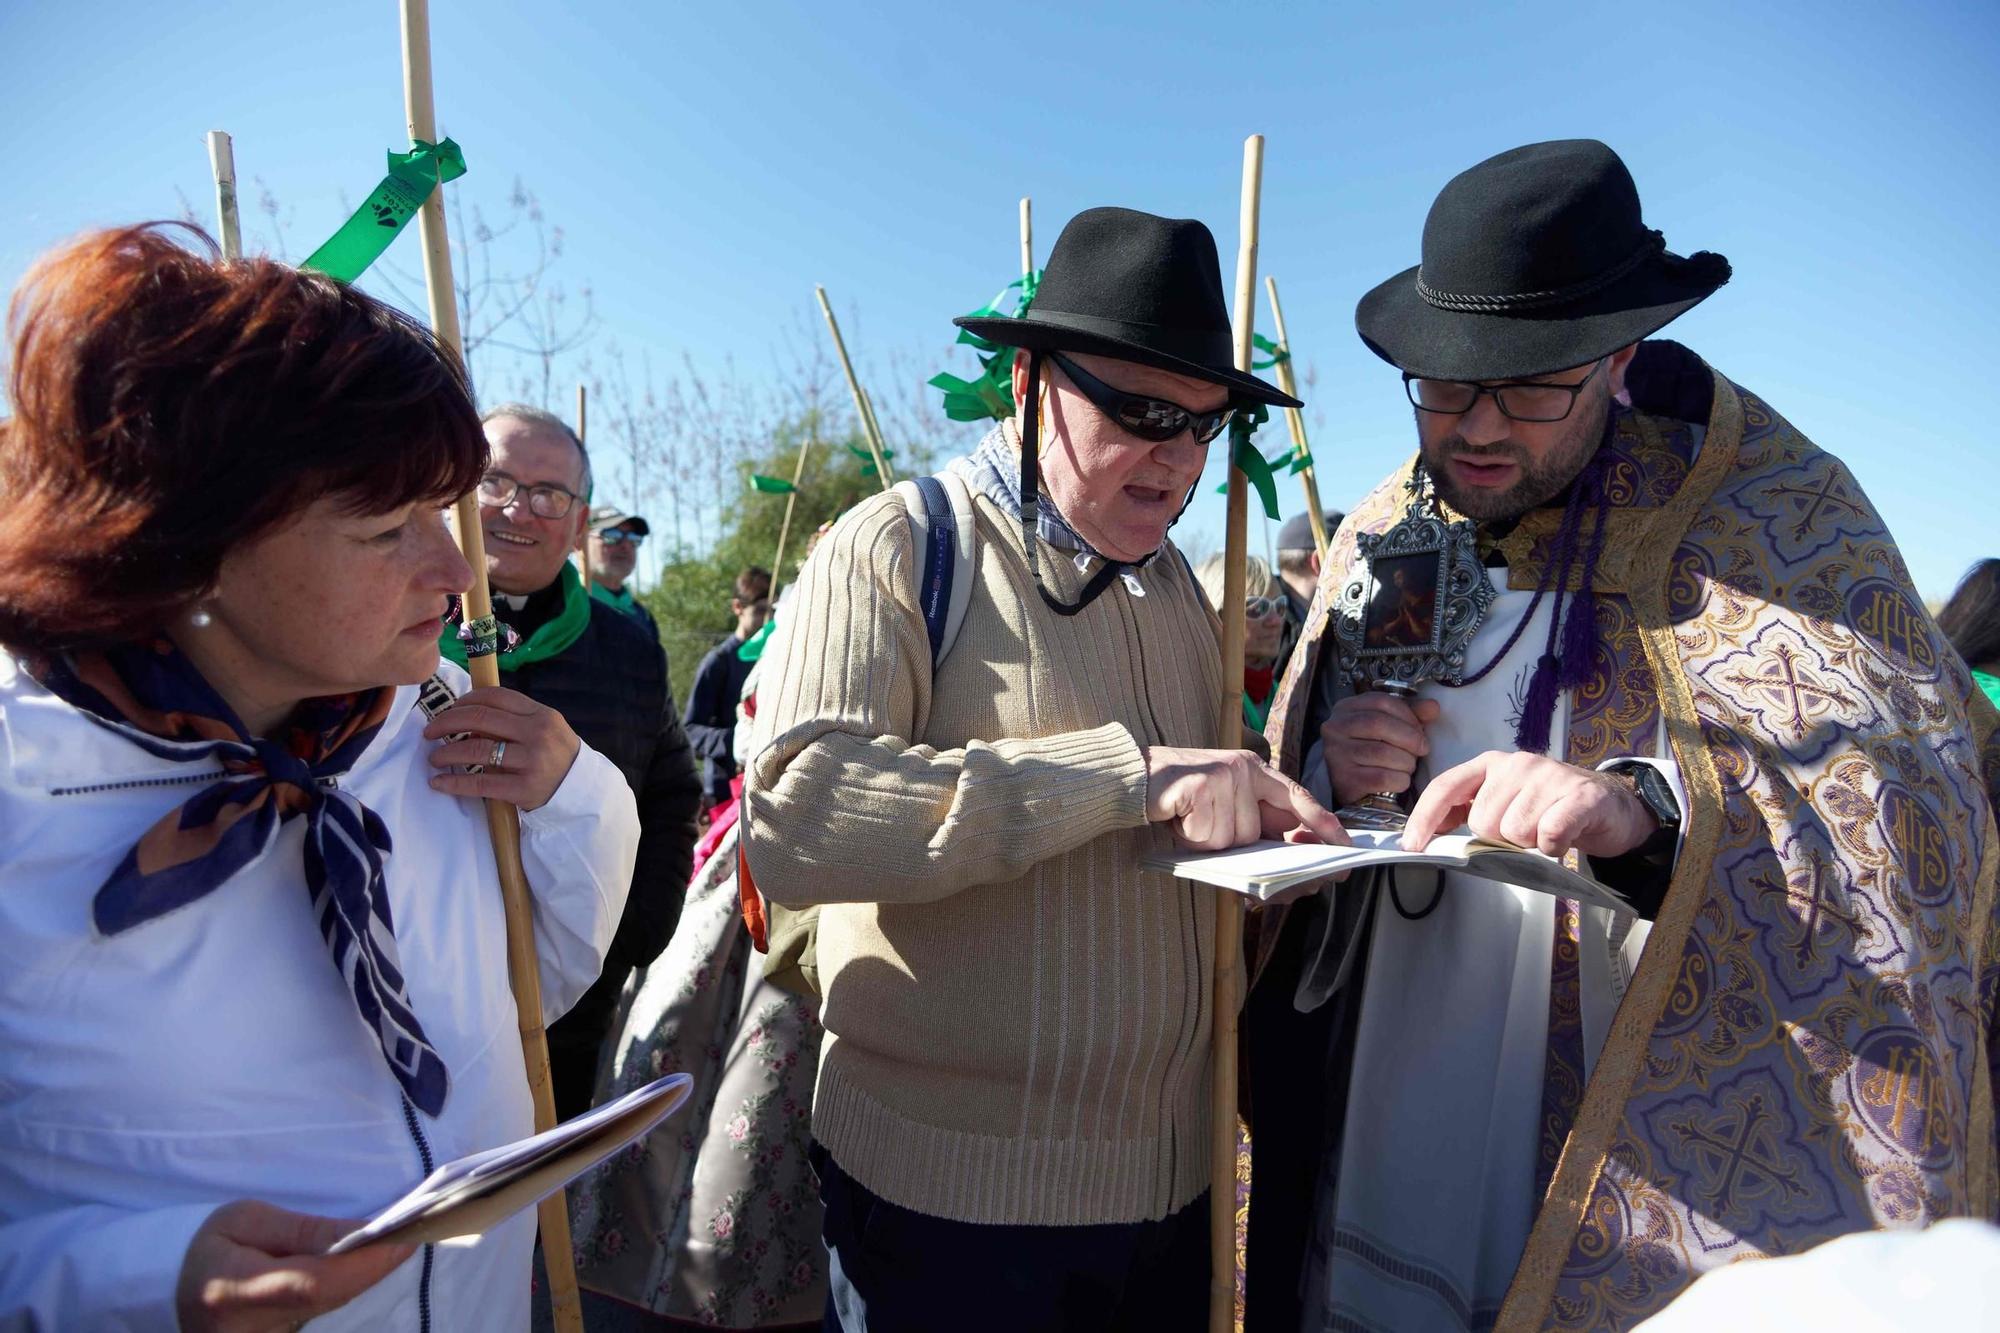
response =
{"points": [[1402, 612]]}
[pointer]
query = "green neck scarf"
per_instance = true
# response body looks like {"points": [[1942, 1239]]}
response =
{"points": [[553, 638], [752, 648], [1988, 683], [621, 600]]}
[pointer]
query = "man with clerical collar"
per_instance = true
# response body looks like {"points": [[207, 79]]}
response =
{"points": [[1669, 636], [606, 673], [612, 552]]}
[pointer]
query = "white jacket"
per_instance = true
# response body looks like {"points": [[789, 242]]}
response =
{"points": [[215, 1053]]}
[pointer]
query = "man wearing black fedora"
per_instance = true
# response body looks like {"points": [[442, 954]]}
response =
{"points": [[1668, 638], [1011, 1121]]}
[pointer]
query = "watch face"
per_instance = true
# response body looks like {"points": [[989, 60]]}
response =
{"points": [[1658, 795]]}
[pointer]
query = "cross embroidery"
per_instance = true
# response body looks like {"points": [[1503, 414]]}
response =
{"points": [[1738, 1160], [1812, 501], [1818, 902], [1785, 682]]}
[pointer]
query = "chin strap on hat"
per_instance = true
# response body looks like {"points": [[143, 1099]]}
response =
{"points": [[1031, 504]]}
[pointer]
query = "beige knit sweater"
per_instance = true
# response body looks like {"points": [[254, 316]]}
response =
{"points": [[1017, 1016]]}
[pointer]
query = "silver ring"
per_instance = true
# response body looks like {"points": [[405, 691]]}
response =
{"points": [[499, 753]]}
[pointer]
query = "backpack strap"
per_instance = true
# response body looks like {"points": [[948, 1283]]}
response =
{"points": [[942, 531]]}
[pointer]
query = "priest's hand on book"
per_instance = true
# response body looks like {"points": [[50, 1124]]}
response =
{"points": [[254, 1266], [1216, 799], [1531, 800], [1372, 742]]}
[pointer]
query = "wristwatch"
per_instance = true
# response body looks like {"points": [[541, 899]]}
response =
{"points": [[1657, 795]]}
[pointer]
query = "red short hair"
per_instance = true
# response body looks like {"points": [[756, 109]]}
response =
{"points": [[169, 407]]}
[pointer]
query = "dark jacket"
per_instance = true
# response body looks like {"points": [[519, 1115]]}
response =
{"points": [[611, 687], [711, 714]]}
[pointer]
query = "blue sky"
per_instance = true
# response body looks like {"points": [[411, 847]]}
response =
{"points": [[709, 164]]}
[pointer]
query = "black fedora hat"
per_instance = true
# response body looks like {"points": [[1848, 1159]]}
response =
{"points": [[1129, 285], [1533, 261]]}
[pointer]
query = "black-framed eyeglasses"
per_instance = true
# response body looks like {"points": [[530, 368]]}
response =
{"points": [[546, 500], [1518, 400], [1152, 419], [615, 536]]}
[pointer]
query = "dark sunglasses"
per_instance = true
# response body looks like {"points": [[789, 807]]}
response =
{"points": [[619, 537], [1152, 419]]}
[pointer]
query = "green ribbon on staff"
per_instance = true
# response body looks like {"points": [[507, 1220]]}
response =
{"points": [[771, 485], [388, 209], [1278, 354], [1250, 462], [992, 394], [868, 455]]}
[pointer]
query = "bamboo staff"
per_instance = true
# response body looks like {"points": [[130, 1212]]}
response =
{"points": [[503, 821], [861, 408], [791, 500], [222, 162], [1027, 236], [582, 415], [878, 441], [1297, 421], [1228, 909]]}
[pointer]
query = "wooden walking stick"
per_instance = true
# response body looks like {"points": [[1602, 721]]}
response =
{"points": [[1295, 419], [861, 408], [222, 161], [582, 414], [791, 501], [503, 821], [1027, 236], [877, 440], [1228, 908]]}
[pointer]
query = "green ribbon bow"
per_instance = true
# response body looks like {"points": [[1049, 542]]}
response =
{"points": [[867, 457], [992, 394], [388, 209], [771, 485], [1250, 462], [1278, 354]]}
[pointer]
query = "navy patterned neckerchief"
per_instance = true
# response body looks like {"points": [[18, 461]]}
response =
{"points": [[152, 695]]}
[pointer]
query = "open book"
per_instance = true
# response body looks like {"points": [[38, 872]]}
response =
{"points": [[476, 1193], [1268, 871]]}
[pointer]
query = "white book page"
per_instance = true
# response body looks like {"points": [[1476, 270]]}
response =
{"points": [[475, 1192], [1270, 871]]}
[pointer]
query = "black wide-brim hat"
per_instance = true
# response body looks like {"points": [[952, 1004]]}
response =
{"points": [[1125, 284], [1533, 261]]}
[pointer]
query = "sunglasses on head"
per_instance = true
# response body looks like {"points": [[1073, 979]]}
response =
{"points": [[1152, 419]]}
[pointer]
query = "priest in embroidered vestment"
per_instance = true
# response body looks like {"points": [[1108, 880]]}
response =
{"points": [[1678, 645]]}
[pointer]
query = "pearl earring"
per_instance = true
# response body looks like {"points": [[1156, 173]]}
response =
{"points": [[201, 619]]}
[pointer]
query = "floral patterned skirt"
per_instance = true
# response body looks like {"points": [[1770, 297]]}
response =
{"points": [[714, 1218]]}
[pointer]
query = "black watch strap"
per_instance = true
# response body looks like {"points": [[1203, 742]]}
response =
{"points": [[1653, 791]]}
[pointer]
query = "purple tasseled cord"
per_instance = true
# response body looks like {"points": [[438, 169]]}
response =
{"points": [[1573, 617]]}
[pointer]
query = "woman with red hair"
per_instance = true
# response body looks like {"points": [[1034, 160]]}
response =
{"points": [[252, 957]]}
